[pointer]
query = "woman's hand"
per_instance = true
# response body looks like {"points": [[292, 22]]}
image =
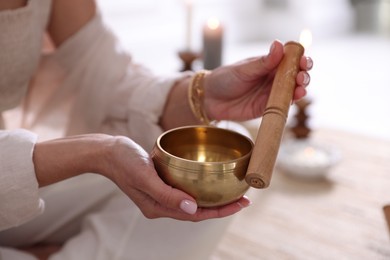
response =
{"points": [[240, 91], [129, 167], [132, 169]]}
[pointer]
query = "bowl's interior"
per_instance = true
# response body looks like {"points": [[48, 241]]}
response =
{"points": [[205, 144]]}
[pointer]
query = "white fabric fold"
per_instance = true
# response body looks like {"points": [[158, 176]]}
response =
{"points": [[20, 200]]}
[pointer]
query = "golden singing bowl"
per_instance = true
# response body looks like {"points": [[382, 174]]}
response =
{"points": [[208, 163]]}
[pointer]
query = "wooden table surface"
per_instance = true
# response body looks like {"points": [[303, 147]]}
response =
{"points": [[339, 217]]}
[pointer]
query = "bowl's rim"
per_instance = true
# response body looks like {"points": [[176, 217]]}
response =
{"points": [[158, 144]]}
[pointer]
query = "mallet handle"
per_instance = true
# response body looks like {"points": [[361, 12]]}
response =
{"points": [[272, 126]]}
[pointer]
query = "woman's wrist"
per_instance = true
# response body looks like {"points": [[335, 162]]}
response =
{"points": [[177, 111], [60, 159], [185, 104]]}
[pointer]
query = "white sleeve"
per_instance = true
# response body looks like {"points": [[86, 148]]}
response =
{"points": [[137, 105], [19, 199]]}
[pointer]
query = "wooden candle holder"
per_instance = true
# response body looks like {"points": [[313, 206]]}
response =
{"points": [[272, 126], [188, 58], [301, 130]]}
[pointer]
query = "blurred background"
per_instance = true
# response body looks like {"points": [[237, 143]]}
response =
{"points": [[349, 41]]}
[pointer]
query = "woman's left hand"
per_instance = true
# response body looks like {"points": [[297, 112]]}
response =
{"points": [[240, 91]]}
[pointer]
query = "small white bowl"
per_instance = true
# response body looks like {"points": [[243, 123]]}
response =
{"points": [[306, 159]]}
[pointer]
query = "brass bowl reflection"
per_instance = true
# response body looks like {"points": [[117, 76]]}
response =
{"points": [[208, 163]]}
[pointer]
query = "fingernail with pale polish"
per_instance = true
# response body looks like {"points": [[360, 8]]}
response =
{"points": [[309, 63], [242, 205], [306, 79], [188, 206]]}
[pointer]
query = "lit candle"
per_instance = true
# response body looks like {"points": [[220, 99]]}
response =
{"points": [[310, 157], [306, 38], [212, 44], [189, 7]]}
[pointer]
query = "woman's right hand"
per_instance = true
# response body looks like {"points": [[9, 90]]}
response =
{"points": [[129, 166], [132, 169]]}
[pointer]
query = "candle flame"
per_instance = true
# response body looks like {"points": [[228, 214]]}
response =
{"points": [[306, 38], [213, 23], [201, 158], [309, 151]]}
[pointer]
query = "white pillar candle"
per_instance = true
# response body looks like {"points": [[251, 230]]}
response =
{"points": [[189, 10], [212, 44]]}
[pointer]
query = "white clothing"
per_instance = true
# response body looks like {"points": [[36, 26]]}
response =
{"points": [[94, 83], [21, 43], [20, 46], [20, 201]]}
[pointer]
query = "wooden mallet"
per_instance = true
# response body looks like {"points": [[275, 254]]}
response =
{"points": [[272, 125]]}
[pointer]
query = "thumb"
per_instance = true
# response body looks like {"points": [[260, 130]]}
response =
{"points": [[261, 66], [274, 57]]}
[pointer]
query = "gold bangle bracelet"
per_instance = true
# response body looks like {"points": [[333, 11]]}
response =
{"points": [[196, 96]]}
